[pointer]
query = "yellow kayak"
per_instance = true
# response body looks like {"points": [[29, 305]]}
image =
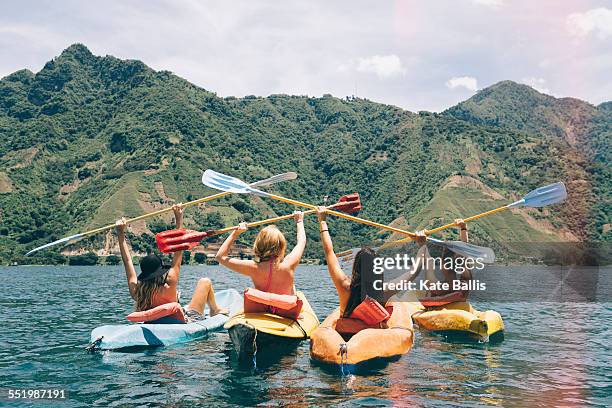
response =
{"points": [[461, 319], [252, 332]]}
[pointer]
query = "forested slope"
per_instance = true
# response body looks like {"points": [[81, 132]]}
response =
{"points": [[88, 139]]}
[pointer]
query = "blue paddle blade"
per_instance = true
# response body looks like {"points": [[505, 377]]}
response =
{"points": [[227, 183], [467, 250], [543, 196]]}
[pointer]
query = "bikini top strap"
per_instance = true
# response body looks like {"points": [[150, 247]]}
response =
{"points": [[270, 274]]}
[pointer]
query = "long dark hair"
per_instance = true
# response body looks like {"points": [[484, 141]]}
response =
{"points": [[363, 266]]}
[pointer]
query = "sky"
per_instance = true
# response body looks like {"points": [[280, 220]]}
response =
{"points": [[419, 55]]}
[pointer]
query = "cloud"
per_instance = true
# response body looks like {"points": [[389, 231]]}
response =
{"points": [[384, 66], [537, 83], [244, 47], [469, 83], [597, 21], [489, 3], [545, 63]]}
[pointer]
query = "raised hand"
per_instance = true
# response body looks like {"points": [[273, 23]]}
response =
{"points": [[242, 227], [178, 210], [460, 223], [321, 213], [421, 238], [120, 226], [298, 216]]}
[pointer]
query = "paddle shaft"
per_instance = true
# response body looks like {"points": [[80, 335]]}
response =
{"points": [[155, 213], [540, 197], [451, 225], [268, 181], [342, 215], [472, 218], [266, 221]]}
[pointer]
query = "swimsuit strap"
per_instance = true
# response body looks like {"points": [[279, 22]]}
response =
{"points": [[270, 275], [271, 309]]}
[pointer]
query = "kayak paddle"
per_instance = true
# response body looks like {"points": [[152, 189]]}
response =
{"points": [[183, 239], [233, 185], [548, 195], [72, 238], [467, 250]]}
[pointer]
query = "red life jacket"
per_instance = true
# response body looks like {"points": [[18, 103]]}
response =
{"points": [[368, 315], [258, 301], [441, 300], [172, 310]]}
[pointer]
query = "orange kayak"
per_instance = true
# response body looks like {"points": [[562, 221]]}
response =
{"points": [[328, 346]]}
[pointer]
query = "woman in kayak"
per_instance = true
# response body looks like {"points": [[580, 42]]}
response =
{"points": [[449, 275], [157, 284], [273, 271], [351, 291]]}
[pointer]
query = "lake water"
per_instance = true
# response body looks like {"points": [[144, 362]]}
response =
{"points": [[554, 354]]}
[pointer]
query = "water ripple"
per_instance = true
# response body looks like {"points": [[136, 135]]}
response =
{"points": [[553, 353]]}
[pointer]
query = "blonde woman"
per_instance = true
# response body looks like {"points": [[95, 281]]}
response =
{"points": [[157, 284], [273, 272]]}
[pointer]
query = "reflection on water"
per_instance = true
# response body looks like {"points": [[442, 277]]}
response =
{"points": [[553, 353]]}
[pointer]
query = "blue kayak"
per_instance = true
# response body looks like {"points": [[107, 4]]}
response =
{"points": [[137, 335]]}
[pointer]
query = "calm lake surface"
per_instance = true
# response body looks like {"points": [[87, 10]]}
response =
{"points": [[554, 354]]}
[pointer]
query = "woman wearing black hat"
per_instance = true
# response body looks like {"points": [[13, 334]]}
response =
{"points": [[157, 284]]}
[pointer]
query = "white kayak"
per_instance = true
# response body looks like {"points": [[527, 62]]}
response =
{"points": [[137, 335]]}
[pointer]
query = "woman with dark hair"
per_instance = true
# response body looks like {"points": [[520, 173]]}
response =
{"points": [[351, 290], [365, 326]]}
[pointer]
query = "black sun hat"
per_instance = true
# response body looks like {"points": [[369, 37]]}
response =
{"points": [[151, 266]]}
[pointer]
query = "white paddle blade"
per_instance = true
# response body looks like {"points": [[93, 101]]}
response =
{"points": [[222, 182], [548, 195], [275, 179], [485, 254], [59, 241], [228, 184]]}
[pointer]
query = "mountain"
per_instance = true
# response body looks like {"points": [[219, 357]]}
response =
{"points": [[583, 130], [89, 139], [517, 106]]}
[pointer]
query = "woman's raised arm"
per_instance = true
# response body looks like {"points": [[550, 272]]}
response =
{"points": [[130, 273], [294, 257], [243, 267], [177, 257], [463, 235], [463, 231], [341, 281]]}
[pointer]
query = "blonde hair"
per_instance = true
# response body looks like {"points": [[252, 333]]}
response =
{"points": [[146, 291], [270, 242]]}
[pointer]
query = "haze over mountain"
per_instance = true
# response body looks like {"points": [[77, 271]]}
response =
{"points": [[89, 139]]}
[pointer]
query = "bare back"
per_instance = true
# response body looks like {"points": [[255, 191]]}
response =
{"points": [[274, 278], [167, 294]]}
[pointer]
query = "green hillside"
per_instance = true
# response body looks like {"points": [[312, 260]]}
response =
{"points": [[90, 138], [583, 132]]}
